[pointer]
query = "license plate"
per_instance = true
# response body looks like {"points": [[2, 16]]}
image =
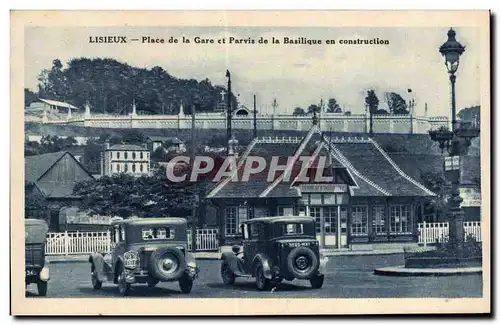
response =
{"points": [[30, 272]]}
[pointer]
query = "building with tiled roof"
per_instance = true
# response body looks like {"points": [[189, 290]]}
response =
{"points": [[51, 178], [368, 199]]}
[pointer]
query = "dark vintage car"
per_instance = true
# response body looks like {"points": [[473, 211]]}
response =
{"points": [[37, 270], [146, 251], [276, 248]]}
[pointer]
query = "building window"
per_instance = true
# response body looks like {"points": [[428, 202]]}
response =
{"points": [[147, 155], [359, 221], [118, 167], [285, 211], [378, 220], [133, 155], [330, 216], [125, 169], [301, 210], [260, 212], [315, 212], [140, 167], [133, 168], [230, 219], [126, 155], [118, 155], [401, 219], [140, 155]]}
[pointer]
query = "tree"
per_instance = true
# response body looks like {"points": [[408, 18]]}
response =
{"points": [[333, 106], [371, 101], [396, 103], [470, 114], [313, 108], [29, 97], [298, 111], [147, 196], [437, 183], [133, 136]]}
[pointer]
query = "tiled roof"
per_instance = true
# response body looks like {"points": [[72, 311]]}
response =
{"points": [[127, 147], [371, 163], [36, 166]]}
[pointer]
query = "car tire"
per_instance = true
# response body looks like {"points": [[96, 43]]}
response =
{"points": [[302, 263], [261, 281], [123, 286], [186, 284], [317, 281], [167, 264], [152, 282], [96, 284], [227, 275], [42, 287]]}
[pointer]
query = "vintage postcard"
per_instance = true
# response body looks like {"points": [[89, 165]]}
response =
{"points": [[250, 162]]}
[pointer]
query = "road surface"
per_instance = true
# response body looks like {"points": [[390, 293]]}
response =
{"points": [[347, 277]]}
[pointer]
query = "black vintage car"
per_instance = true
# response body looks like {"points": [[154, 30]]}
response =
{"points": [[276, 248], [37, 270], [146, 251]]}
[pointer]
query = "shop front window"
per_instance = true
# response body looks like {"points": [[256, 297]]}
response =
{"points": [[285, 211], [378, 220], [315, 212], [359, 224], [330, 216], [401, 219]]}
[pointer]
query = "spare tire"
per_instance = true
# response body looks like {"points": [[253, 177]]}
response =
{"points": [[302, 263], [167, 264]]}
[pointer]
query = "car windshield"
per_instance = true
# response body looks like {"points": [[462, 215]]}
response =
{"points": [[152, 233], [293, 229]]}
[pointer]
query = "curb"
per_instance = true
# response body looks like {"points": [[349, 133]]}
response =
{"points": [[400, 270]]}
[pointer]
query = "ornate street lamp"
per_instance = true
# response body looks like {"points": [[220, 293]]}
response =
{"points": [[456, 141]]}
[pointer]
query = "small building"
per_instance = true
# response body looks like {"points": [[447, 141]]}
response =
{"points": [[367, 200], [170, 144], [51, 105], [49, 182], [125, 158]]}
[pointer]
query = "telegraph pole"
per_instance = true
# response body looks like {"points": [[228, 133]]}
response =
{"points": [[194, 221], [229, 113], [254, 117]]}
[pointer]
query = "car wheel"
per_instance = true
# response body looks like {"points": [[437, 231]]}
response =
{"points": [[302, 263], [42, 288], [260, 280], [96, 284], [317, 281], [167, 264], [226, 274], [123, 286], [186, 284], [152, 282]]}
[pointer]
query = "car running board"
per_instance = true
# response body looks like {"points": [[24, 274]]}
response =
{"points": [[243, 275]]}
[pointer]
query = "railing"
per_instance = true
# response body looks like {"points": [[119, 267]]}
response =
{"points": [[438, 232], [69, 243], [80, 243], [206, 240]]}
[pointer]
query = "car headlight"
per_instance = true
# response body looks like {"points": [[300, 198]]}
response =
{"points": [[130, 259]]}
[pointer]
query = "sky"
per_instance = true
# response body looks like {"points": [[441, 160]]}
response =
{"points": [[296, 75]]}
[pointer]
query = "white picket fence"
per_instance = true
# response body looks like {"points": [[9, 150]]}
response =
{"points": [[78, 243], [438, 232], [206, 240], [69, 243]]}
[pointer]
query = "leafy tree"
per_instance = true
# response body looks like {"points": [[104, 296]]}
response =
{"points": [[111, 86], [313, 108], [436, 182], [333, 106], [133, 136], [396, 103], [299, 111], [371, 101], [29, 97], [470, 114], [147, 196]]}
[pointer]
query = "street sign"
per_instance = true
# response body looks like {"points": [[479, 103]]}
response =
{"points": [[452, 163]]}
